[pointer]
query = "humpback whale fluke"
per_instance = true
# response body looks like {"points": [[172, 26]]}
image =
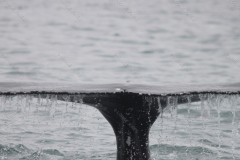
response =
{"points": [[130, 109]]}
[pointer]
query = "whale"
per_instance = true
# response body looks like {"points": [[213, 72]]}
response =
{"points": [[131, 109]]}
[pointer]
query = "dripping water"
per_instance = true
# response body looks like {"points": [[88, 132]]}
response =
{"points": [[204, 130], [32, 119]]}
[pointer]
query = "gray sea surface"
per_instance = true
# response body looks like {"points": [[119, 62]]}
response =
{"points": [[118, 41]]}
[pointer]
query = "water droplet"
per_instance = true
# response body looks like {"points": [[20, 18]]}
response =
{"points": [[119, 90]]}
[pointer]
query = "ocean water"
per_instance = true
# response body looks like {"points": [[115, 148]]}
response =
{"points": [[118, 41]]}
